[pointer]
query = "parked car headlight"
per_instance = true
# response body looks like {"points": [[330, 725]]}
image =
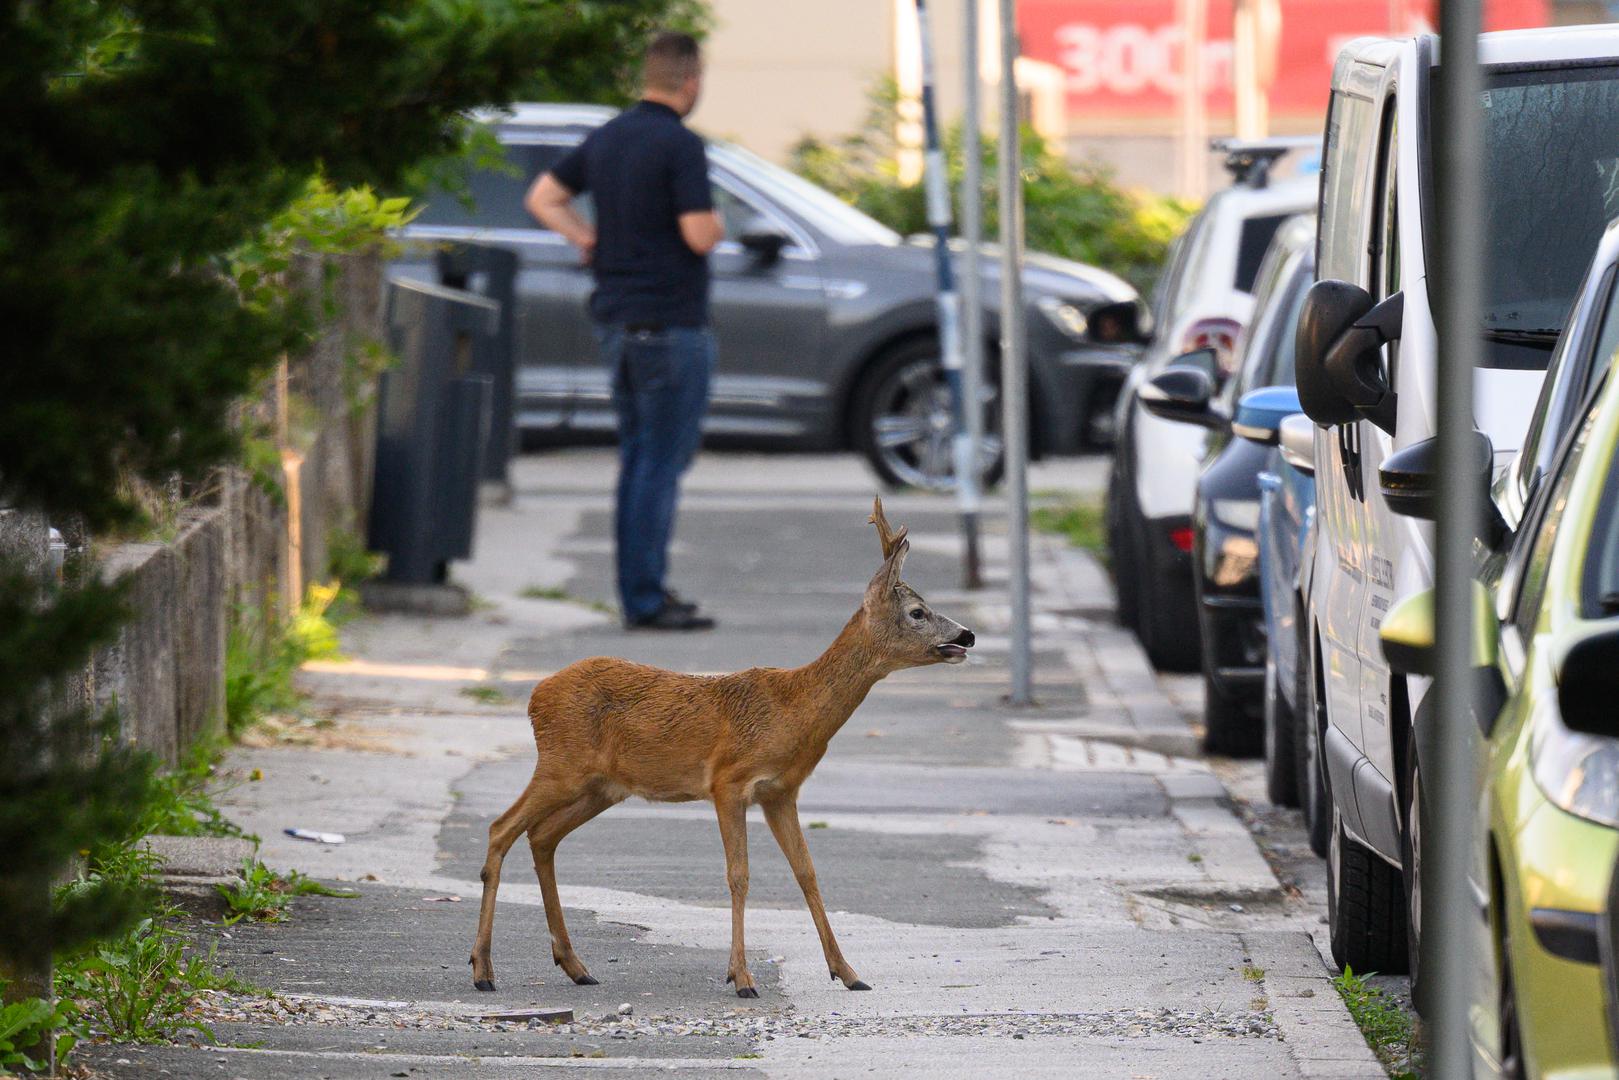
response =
{"points": [[1068, 319], [1578, 773]]}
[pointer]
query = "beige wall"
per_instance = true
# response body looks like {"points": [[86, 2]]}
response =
{"points": [[780, 69]]}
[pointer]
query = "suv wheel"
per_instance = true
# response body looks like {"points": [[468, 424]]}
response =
{"points": [[1314, 798], [1365, 906], [1281, 759], [1411, 860], [1227, 726], [1121, 551], [1166, 610], [902, 421]]}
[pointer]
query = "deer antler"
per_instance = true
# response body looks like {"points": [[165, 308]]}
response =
{"points": [[890, 539]]}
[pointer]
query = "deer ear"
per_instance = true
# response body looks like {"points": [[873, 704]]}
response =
{"points": [[881, 589]]}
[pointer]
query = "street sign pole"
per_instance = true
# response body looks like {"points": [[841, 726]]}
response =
{"points": [[1014, 359], [936, 177], [972, 285], [1446, 752]]}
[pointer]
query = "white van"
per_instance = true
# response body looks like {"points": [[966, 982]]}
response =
{"points": [[1366, 374]]}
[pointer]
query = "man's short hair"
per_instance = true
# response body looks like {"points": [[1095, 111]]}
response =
{"points": [[671, 59]]}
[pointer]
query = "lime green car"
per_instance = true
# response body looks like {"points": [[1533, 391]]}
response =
{"points": [[1547, 641]]}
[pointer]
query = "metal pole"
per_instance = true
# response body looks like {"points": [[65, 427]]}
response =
{"points": [[1014, 358], [936, 174], [1447, 766], [972, 285]]}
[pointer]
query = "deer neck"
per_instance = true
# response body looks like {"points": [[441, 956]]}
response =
{"points": [[833, 685]]}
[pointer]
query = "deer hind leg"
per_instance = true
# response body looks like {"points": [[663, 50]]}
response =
{"points": [[502, 834], [732, 809], [782, 814], [543, 839]]}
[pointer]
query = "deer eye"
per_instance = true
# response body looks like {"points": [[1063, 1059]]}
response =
{"points": [[916, 613]]}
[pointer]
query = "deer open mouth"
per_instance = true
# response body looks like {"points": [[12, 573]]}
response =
{"points": [[953, 654]]}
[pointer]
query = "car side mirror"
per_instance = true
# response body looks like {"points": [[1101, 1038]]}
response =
{"points": [[1182, 392], [1409, 482], [1330, 309], [763, 240], [1338, 354], [1407, 633], [1355, 365], [1260, 414], [1124, 322], [1588, 684], [1297, 440]]}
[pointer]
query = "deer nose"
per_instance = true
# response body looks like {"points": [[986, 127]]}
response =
{"points": [[964, 639]]}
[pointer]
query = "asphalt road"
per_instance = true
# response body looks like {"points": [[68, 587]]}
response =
{"points": [[1038, 891]]}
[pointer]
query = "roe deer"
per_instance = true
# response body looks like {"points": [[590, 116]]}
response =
{"points": [[607, 729]]}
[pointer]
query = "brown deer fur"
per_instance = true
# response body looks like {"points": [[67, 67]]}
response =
{"points": [[607, 729]]}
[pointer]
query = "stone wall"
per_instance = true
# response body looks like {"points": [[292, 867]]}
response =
{"points": [[232, 556], [165, 672]]}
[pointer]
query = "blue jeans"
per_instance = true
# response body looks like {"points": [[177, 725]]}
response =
{"points": [[660, 391]]}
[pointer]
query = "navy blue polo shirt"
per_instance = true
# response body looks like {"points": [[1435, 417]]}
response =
{"points": [[643, 168]]}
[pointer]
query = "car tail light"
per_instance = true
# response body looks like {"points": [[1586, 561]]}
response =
{"points": [[1181, 538], [1217, 334]]}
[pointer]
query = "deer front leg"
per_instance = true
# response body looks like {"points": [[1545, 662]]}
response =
{"points": [[732, 809], [782, 814]]}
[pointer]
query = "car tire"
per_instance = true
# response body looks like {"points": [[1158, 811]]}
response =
{"points": [[1512, 1056], [1281, 757], [1315, 797], [1166, 617], [1365, 906], [1122, 554], [1228, 727], [902, 390], [1411, 863]]}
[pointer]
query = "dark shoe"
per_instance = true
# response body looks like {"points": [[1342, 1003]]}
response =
{"points": [[671, 618], [671, 599]]}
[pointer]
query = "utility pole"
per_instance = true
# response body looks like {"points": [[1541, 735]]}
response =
{"points": [[1194, 125], [1448, 802], [936, 176], [1014, 358], [972, 286]]}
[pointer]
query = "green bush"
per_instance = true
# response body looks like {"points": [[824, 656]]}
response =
{"points": [[1077, 212]]}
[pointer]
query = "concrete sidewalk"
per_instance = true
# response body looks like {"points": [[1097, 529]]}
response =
{"points": [[1054, 891]]}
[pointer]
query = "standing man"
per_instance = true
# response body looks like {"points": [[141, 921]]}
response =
{"points": [[655, 225]]}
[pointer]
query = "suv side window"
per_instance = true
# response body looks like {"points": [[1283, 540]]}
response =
{"points": [[1345, 184], [496, 194], [1385, 241], [1543, 533]]}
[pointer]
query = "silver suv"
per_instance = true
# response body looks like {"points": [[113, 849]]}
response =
{"points": [[825, 318]]}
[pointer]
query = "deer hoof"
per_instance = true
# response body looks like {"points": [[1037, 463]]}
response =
{"points": [[586, 980], [484, 984], [858, 985], [747, 992]]}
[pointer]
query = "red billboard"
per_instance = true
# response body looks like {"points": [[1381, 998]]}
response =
{"points": [[1123, 59]]}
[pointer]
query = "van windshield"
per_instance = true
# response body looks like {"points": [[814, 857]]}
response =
{"points": [[1551, 185]]}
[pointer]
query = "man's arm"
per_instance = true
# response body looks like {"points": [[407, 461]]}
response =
{"points": [[551, 204], [701, 229]]}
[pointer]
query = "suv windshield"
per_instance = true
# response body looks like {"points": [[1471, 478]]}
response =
{"points": [[1551, 185], [819, 208]]}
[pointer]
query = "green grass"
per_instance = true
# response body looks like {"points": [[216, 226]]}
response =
{"points": [[265, 896], [1389, 1029], [1078, 519], [261, 660], [485, 695], [558, 593], [1253, 974]]}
